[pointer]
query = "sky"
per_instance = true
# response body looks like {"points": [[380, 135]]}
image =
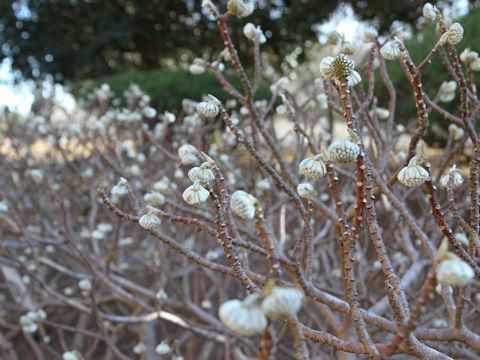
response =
{"points": [[19, 97]]}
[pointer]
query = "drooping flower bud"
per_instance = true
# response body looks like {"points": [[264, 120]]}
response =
{"points": [[392, 50], [450, 269], [243, 317], [121, 189], [313, 168], [209, 109], [149, 220], [243, 204], [343, 151], [457, 178], [283, 302], [413, 174], [305, 190], [195, 194]]}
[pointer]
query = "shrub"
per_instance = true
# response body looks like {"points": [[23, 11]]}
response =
{"points": [[122, 237]]}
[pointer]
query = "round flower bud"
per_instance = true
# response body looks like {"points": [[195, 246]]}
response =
{"points": [[475, 65], [342, 66], [72, 355], [163, 348], [188, 154], [121, 189], [85, 285], [243, 204], [195, 194], [197, 67], [382, 113], [391, 50], [209, 109], [263, 185], [201, 173], [453, 36], [454, 272], [154, 198], [305, 190], [283, 302], [456, 132], [326, 67], [243, 317], [413, 174], [240, 7], [457, 178], [429, 12], [313, 168], [149, 220], [343, 151], [468, 56]]}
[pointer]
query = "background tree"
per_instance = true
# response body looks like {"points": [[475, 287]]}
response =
{"points": [[78, 39]]}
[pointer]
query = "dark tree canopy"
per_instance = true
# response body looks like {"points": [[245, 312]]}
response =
{"points": [[78, 39]]}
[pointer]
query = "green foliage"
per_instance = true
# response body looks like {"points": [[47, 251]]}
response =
{"points": [[80, 39], [167, 88], [432, 76]]}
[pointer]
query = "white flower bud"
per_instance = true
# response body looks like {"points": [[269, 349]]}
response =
{"points": [[243, 317], [254, 33], [72, 355], [382, 113], [209, 109], [283, 302], [263, 185], [202, 174], [195, 194], [163, 348], [326, 67], [154, 198], [468, 56], [447, 91], [313, 168], [453, 36], [243, 205], [197, 67], [121, 189], [456, 132], [452, 270], [475, 65], [305, 190], [149, 112], [391, 50], [36, 175], [343, 151], [150, 220], [457, 178], [139, 348], [240, 7], [429, 12], [280, 85], [188, 154], [353, 79], [163, 185], [413, 174], [85, 285]]}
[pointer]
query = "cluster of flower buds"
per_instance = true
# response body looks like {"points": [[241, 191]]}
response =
{"points": [[470, 58], [447, 91], [197, 67], [430, 12], [201, 176], [254, 33], [29, 320], [249, 317], [339, 67]]}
